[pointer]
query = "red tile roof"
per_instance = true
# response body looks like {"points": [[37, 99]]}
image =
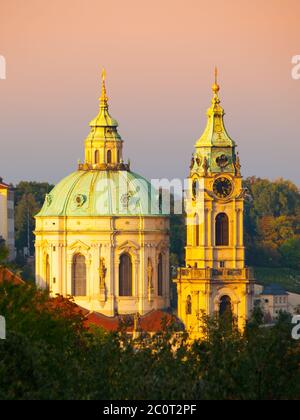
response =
{"points": [[3, 184], [152, 322], [7, 275]]}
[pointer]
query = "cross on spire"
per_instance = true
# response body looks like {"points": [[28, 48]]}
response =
{"points": [[216, 87], [103, 98]]}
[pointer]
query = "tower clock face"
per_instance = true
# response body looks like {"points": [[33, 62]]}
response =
{"points": [[223, 187]]}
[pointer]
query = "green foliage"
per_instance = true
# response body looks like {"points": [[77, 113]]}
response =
{"points": [[177, 238], [29, 198], [290, 251], [3, 251], [37, 189], [49, 354], [278, 198], [288, 278], [272, 218]]}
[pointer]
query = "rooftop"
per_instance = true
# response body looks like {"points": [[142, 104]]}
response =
{"points": [[151, 322], [274, 290]]}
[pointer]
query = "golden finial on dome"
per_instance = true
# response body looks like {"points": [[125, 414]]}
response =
{"points": [[104, 98], [215, 86]]}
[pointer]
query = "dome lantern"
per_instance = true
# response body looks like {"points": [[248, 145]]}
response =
{"points": [[104, 145]]}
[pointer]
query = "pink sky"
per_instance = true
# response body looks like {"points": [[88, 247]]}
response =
{"points": [[159, 57]]}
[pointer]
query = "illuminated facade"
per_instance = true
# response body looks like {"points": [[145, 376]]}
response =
{"points": [[215, 278], [97, 238], [7, 223]]}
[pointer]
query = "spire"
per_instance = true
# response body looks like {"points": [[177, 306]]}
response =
{"points": [[103, 98], [103, 145], [215, 86], [215, 133], [103, 118]]}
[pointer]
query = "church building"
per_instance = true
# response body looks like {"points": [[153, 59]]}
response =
{"points": [[98, 237], [215, 279]]}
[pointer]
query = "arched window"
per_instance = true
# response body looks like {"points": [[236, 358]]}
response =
{"points": [[48, 270], [79, 275], [97, 160], [225, 306], [188, 305], [195, 189], [222, 230], [197, 232], [125, 275], [118, 156], [109, 156], [160, 275]]}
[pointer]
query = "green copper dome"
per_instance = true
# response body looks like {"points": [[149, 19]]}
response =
{"points": [[101, 193], [103, 185]]}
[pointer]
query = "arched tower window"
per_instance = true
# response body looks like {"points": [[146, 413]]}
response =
{"points": [[125, 275], [160, 275], [109, 156], [48, 270], [79, 275], [222, 230], [118, 156], [197, 232], [97, 158], [225, 306]]}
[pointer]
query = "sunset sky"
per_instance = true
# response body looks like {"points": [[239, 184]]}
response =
{"points": [[159, 56]]}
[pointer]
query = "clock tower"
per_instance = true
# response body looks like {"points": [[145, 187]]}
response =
{"points": [[215, 279]]}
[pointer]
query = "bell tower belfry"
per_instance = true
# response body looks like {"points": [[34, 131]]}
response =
{"points": [[215, 278]]}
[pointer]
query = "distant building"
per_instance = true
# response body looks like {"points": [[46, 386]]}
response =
{"points": [[7, 224], [273, 300]]}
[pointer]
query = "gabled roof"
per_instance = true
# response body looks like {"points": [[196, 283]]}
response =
{"points": [[7, 275], [3, 184], [274, 290]]}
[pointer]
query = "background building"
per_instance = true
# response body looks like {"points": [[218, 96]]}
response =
{"points": [[97, 236], [274, 299], [7, 225]]}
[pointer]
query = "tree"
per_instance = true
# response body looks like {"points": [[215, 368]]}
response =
{"points": [[25, 211], [272, 216], [290, 251], [29, 199], [3, 251], [50, 354], [37, 189]]}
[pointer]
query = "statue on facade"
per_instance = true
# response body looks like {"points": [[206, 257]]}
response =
{"points": [[150, 279], [102, 276], [238, 165], [192, 163], [188, 305], [205, 166]]}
